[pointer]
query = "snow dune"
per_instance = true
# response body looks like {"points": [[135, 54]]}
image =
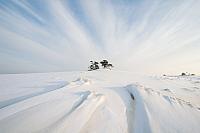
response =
{"points": [[100, 102]]}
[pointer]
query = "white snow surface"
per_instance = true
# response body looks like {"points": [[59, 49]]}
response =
{"points": [[101, 101]]}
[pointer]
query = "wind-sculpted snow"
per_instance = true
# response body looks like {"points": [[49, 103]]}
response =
{"points": [[136, 112], [100, 102], [46, 89]]}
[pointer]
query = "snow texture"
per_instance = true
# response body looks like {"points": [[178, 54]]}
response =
{"points": [[99, 102]]}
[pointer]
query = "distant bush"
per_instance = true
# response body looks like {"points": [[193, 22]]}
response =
{"points": [[105, 64], [94, 65], [183, 74], [187, 74]]}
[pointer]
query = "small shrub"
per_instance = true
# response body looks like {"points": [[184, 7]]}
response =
{"points": [[183, 74], [94, 66]]}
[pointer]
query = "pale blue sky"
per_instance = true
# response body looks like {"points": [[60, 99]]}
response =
{"points": [[156, 36]]}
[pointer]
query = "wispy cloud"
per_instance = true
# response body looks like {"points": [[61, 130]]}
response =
{"points": [[147, 36]]}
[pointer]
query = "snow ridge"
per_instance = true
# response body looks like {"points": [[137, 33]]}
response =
{"points": [[101, 102]]}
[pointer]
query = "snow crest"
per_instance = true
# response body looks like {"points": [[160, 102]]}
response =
{"points": [[101, 102]]}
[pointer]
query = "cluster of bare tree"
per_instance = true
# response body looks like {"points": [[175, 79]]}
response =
{"points": [[95, 65]]}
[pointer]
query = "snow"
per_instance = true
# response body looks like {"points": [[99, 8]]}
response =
{"points": [[101, 101]]}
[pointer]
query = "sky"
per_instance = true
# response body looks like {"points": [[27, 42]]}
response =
{"points": [[146, 36]]}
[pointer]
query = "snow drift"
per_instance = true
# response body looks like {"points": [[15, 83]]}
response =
{"points": [[99, 101]]}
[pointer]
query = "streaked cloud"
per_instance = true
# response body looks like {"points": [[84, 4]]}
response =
{"points": [[140, 35]]}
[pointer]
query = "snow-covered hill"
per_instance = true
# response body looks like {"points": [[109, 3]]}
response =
{"points": [[99, 102]]}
